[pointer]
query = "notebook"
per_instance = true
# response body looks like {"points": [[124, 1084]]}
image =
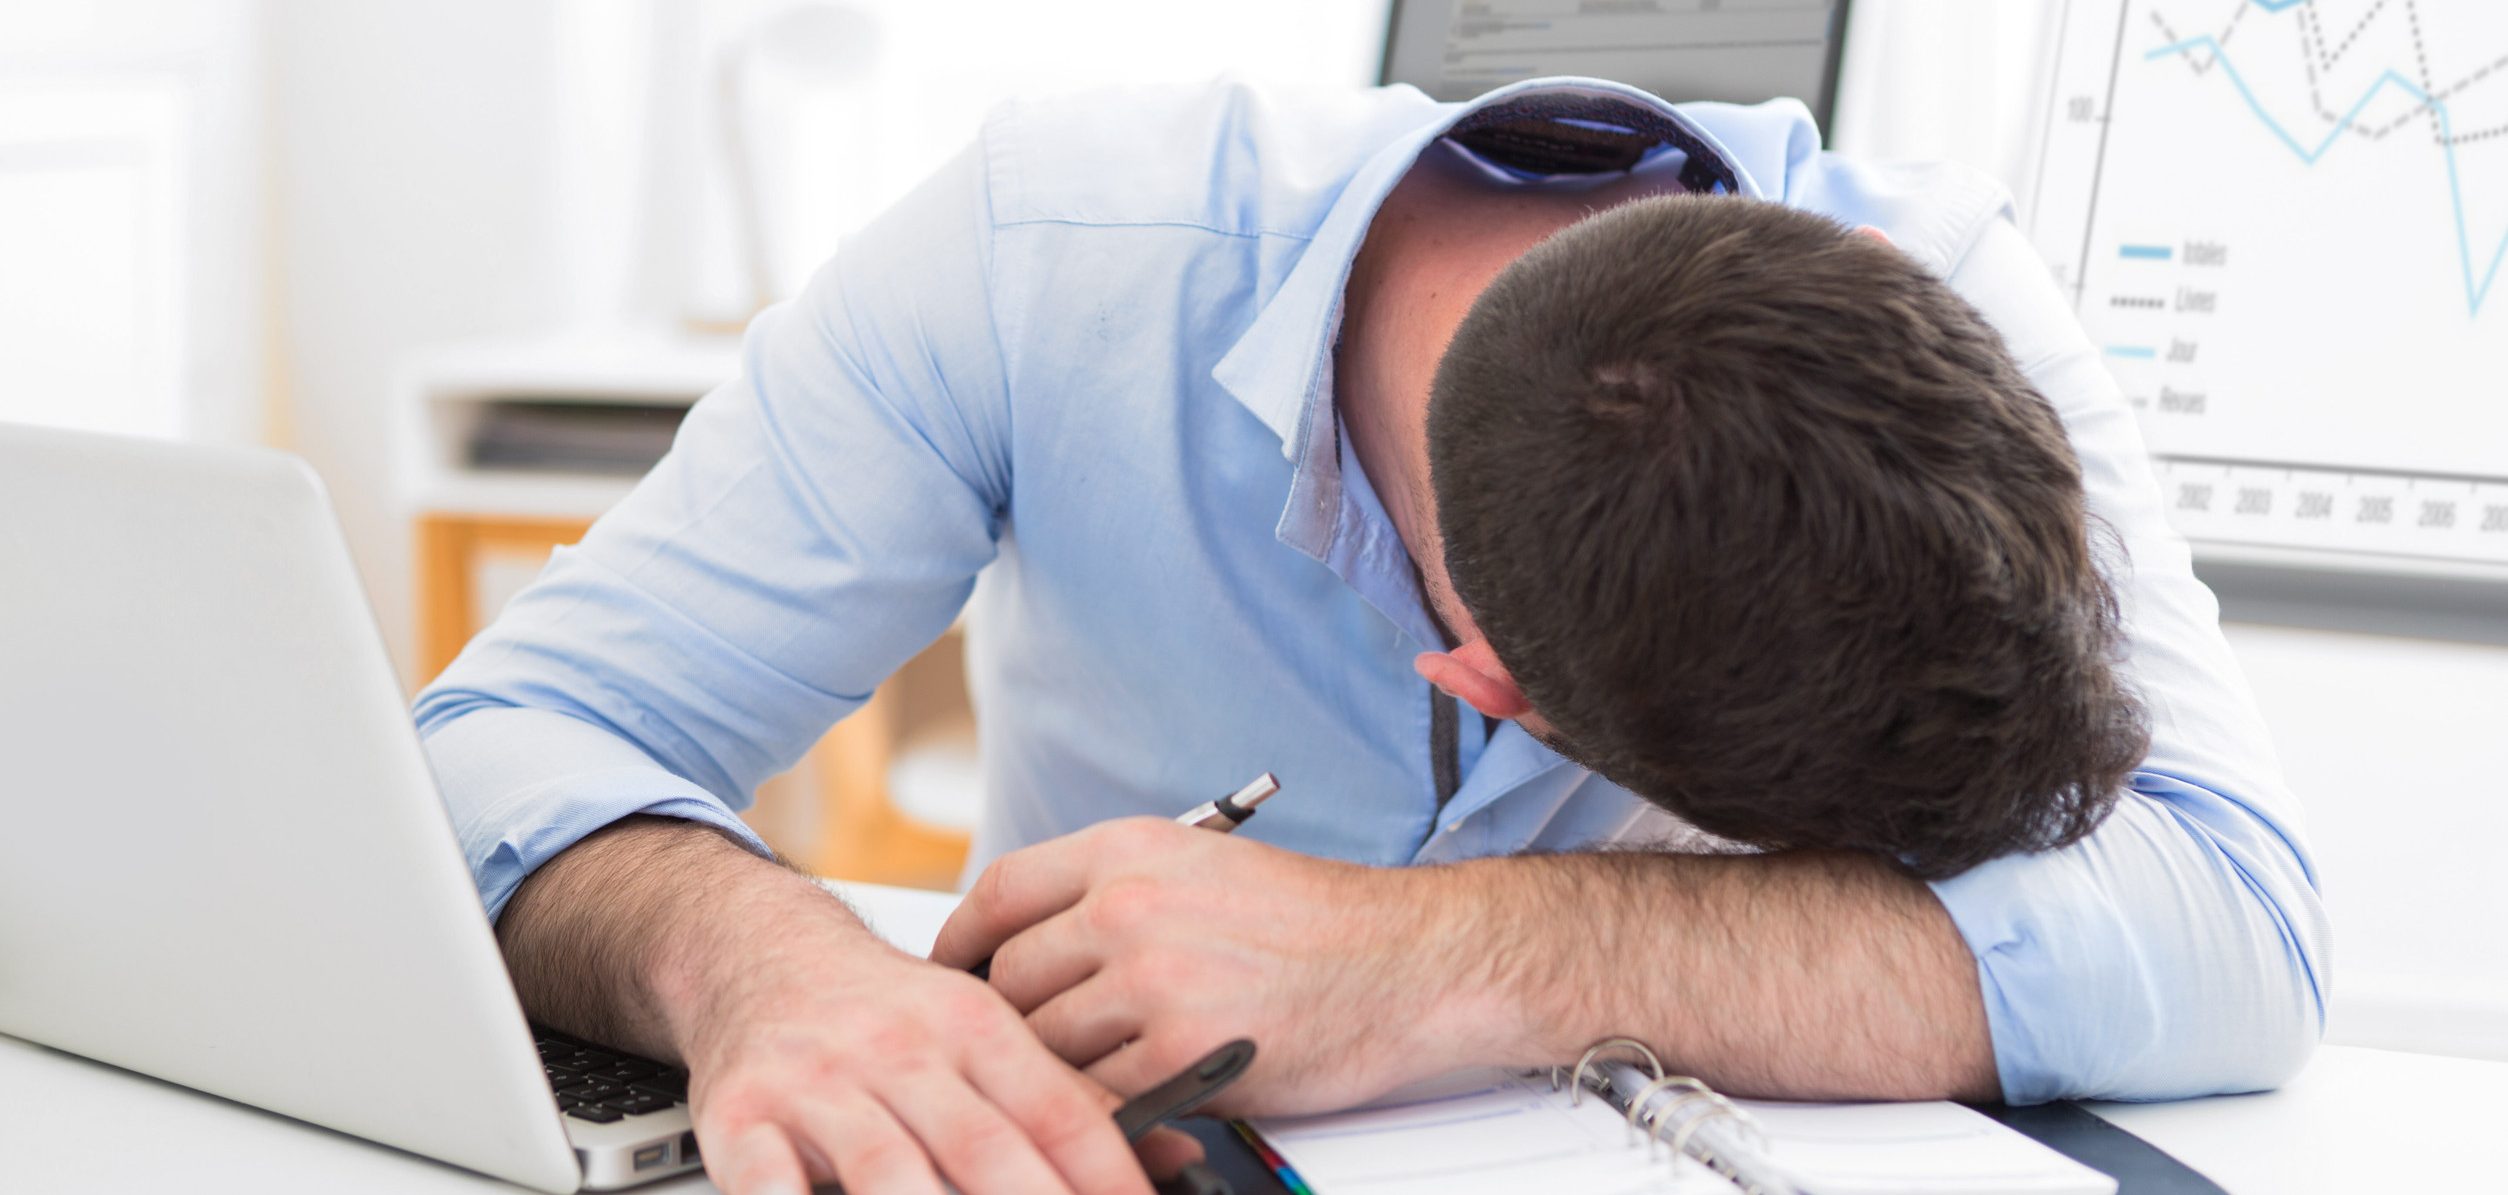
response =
{"points": [[1506, 1131]]}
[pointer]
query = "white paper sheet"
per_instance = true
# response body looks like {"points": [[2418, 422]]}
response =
{"points": [[1913, 1149], [1481, 1131]]}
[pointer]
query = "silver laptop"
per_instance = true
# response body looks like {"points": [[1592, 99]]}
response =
{"points": [[224, 862]]}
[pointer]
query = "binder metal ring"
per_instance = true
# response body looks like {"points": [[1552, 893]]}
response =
{"points": [[1637, 1104], [1723, 1108], [1654, 1120], [1576, 1082]]}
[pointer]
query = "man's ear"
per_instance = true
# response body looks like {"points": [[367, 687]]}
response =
{"points": [[1472, 674]]}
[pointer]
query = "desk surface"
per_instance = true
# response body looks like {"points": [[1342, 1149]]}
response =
{"points": [[2356, 1120]]}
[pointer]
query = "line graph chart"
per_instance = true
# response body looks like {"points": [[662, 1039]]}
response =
{"points": [[2477, 283], [2285, 222]]}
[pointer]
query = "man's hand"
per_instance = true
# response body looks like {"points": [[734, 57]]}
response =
{"points": [[817, 1052], [885, 1072], [1136, 946]]}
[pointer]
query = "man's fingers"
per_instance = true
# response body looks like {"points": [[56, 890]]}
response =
{"points": [[975, 1144], [1085, 1024], [1149, 1061], [870, 1152], [1165, 1151], [758, 1160], [1017, 891], [1071, 1119], [1046, 961]]}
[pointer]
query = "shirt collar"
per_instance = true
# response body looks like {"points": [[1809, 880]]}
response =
{"points": [[1281, 368]]}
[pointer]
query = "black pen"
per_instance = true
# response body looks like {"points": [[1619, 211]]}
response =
{"points": [[1223, 815]]}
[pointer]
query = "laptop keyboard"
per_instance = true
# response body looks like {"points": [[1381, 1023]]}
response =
{"points": [[601, 1085]]}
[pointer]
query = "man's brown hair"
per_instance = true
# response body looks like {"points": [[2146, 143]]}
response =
{"points": [[1769, 527]]}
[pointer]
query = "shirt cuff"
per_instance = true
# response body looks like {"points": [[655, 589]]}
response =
{"points": [[2145, 961], [523, 785]]}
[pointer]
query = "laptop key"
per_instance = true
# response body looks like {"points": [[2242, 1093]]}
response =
{"points": [[636, 1103], [671, 1083], [595, 1113]]}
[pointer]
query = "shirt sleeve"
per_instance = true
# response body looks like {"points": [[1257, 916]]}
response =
{"points": [[2179, 950], [818, 520]]}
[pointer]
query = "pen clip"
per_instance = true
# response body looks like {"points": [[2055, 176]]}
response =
{"points": [[1191, 1088]]}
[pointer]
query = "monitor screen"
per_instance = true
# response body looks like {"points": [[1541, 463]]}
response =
{"points": [[1740, 50]]}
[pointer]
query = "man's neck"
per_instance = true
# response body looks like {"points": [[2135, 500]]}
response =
{"points": [[1440, 237]]}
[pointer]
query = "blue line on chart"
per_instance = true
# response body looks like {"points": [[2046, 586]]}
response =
{"points": [[2134, 352], [2474, 291], [2145, 252]]}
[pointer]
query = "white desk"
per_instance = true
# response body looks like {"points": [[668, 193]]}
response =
{"points": [[2357, 1120]]}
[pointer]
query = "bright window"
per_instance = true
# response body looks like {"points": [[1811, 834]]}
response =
{"points": [[91, 249], [131, 255]]}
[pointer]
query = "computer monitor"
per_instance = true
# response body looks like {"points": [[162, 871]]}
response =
{"points": [[1740, 50]]}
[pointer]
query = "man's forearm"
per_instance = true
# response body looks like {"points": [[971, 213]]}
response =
{"points": [[605, 940], [1801, 975]]}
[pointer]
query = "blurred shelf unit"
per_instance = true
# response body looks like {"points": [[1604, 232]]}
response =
{"points": [[510, 449], [458, 401]]}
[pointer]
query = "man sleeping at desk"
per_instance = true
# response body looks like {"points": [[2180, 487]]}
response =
{"points": [[1690, 586]]}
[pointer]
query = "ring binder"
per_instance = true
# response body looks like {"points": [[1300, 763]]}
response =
{"points": [[1637, 1102], [1654, 1119], [1576, 1083], [1486, 1131], [1680, 1137], [1660, 1102]]}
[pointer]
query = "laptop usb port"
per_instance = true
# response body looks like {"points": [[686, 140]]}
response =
{"points": [[653, 1155]]}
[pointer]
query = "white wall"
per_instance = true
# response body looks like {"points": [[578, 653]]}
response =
{"points": [[2397, 747], [411, 184], [1961, 80]]}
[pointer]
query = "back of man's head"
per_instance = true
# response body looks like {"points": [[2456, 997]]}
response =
{"points": [[1770, 529]]}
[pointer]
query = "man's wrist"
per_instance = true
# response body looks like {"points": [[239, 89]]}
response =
{"points": [[1526, 939], [1471, 958], [711, 944]]}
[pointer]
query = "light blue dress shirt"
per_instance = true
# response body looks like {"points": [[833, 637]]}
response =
{"points": [[1083, 376]]}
